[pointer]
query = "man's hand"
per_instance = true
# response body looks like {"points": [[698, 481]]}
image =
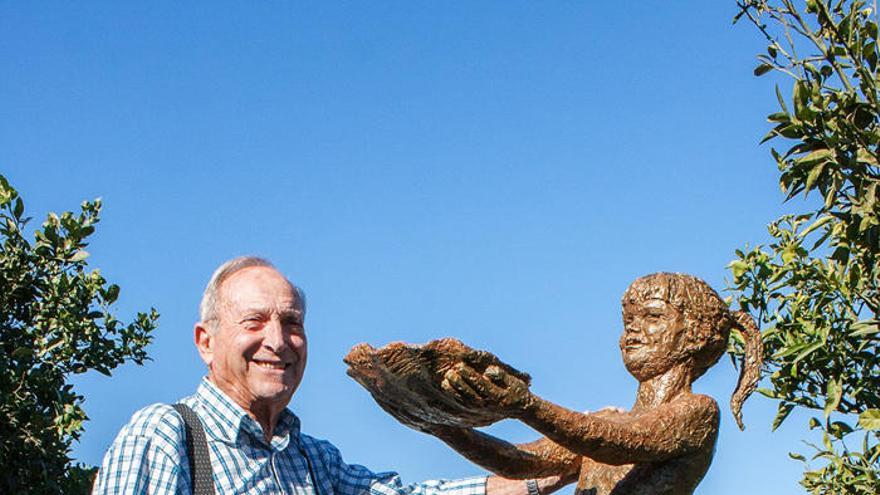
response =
{"points": [[609, 411], [495, 389], [497, 485]]}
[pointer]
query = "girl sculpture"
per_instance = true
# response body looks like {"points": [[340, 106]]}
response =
{"points": [[675, 328]]}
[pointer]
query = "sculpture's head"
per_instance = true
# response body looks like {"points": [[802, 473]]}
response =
{"points": [[673, 318]]}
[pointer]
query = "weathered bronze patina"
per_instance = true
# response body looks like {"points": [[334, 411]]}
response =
{"points": [[675, 328]]}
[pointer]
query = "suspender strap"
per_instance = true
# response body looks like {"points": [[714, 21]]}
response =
{"points": [[200, 475]]}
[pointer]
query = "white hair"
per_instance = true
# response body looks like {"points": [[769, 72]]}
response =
{"points": [[208, 306]]}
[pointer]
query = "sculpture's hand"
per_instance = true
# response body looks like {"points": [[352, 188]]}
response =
{"points": [[495, 389]]}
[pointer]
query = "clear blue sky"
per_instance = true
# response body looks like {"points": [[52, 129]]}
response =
{"points": [[497, 171]]}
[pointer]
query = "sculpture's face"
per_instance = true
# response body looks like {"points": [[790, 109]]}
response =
{"points": [[653, 336], [258, 350]]}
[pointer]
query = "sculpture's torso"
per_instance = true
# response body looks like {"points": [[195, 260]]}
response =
{"points": [[679, 476]]}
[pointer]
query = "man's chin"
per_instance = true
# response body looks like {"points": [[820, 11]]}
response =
{"points": [[275, 392]]}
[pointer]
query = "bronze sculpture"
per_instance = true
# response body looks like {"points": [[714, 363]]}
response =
{"points": [[675, 328]]}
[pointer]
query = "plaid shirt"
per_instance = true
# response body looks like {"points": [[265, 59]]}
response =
{"points": [[149, 456]]}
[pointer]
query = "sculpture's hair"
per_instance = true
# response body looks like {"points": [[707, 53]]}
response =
{"points": [[709, 321], [211, 296]]}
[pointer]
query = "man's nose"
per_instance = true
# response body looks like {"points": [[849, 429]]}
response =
{"points": [[273, 335]]}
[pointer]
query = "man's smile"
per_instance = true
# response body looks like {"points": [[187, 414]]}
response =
{"points": [[271, 364]]}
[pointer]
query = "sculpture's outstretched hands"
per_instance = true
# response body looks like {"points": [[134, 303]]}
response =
{"points": [[495, 389], [407, 381]]}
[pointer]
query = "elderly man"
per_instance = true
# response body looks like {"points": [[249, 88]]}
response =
{"points": [[252, 338]]}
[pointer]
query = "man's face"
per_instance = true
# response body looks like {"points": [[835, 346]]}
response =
{"points": [[257, 348], [653, 336]]}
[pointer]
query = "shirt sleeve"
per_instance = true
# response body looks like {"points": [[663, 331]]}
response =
{"points": [[145, 458], [353, 479]]}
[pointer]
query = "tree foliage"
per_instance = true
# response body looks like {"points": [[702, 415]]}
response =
{"points": [[55, 321], [816, 286]]}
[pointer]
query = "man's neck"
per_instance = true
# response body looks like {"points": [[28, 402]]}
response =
{"points": [[265, 413], [267, 416]]}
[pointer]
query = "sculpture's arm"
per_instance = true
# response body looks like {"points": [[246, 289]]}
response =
{"points": [[670, 430], [537, 459]]}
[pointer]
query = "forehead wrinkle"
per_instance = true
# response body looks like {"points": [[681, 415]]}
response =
{"points": [[237, 302], [282, 309], [261, 297]]}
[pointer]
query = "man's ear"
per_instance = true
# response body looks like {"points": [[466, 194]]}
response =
{"points": [[204, 340]]}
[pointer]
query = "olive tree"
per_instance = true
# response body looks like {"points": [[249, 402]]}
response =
{"points": [[815, 287], [55, 322]]}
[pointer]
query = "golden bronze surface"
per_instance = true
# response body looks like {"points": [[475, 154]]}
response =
{"points": [[406, 380], [675, 328]]}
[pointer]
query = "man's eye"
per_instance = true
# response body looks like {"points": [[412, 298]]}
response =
{"points": [[293, 323], [252, 322]]}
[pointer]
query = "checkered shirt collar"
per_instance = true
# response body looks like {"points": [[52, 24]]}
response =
{"points": [[227, 422]]}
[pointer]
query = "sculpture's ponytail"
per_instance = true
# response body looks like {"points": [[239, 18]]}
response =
{"points": [[750, 368]]}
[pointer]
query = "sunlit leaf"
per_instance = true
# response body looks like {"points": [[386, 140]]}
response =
{"points": [[870, 420]]}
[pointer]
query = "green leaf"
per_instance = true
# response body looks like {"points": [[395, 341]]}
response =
{"points": [[816, 156], [782, 412], [815, 225], [739, 268], [111, 294], [7, 193], [788, 254], [762, 69], [830, 196], [766, 392], [22, 353], [813, 176], [833, 394], [870, 420], [781, 100], [799, 98], [79, 256], [871, 29], [790, 131], [840, 429], [864, 327], [779, 117], [809, 350]]}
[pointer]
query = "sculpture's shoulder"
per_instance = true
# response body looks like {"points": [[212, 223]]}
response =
{"points": [[684, 407], [704, 407], [702, 416]]}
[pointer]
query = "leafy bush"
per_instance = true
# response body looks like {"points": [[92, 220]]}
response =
{"points": [[55, 321], [816, 286]]}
